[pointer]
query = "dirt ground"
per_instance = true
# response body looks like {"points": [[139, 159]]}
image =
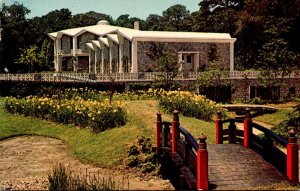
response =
{"points": [[26, 161]]}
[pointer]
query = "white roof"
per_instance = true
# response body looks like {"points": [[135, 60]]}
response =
{"points": [[104, 41], [96, 43], [182, 35], [130, 34], [90, 45], [113, 37]]}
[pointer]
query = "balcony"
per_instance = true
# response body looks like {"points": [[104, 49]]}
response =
{"points": [[79, 52], [64, 52]]}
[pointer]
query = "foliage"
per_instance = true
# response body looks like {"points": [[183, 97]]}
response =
{"points": [[105, 149], [212, 76], [168, 67], [293, 121], [140, 155], [14, 33], [174, 17], [189, 104], [62, 178], [251, 23], [30, 56], [154, 22], [89, 18], [98, 115]]}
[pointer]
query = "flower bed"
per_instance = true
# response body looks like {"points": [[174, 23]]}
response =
{"points": [[97, 115], [189, 104]]}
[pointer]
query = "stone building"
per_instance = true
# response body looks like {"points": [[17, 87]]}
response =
{"points": [[103, 48]]}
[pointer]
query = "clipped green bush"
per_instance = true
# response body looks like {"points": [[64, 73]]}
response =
{"points": [[189, 104], [97, 115]]}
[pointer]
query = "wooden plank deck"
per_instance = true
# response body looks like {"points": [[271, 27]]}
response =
{"points": [[233, 167]]}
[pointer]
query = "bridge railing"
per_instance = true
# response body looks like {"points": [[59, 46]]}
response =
{"points": [[187, 154], [140, 76], [270, 145]]}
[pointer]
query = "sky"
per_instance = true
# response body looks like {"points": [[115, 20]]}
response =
{"points": [[114, 8]]}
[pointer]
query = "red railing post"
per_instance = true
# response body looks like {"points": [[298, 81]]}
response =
{"points": [[219, 129], [202, 165], [158, 131], [247, 128], [292, 167], [175, 132]]}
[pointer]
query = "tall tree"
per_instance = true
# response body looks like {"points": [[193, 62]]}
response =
{"points": [[174, 17], [13, 24], [154, 23], [89, 18]]}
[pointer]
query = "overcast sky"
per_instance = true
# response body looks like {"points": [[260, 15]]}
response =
{"points": [[114, 8]]}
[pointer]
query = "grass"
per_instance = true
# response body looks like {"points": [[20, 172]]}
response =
{"points": [[279, 116], [105, 149], [274, 118]]}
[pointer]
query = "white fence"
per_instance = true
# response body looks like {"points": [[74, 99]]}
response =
{"points": [[124, 77]]}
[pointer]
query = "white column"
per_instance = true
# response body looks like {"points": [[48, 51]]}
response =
{"points": [[74, 45], [58, 49], [110, 58], [102, 61], [180, 61], [96, 58], [121, 52], [231, 57], [55, 55], [134, 63], [196, 62], [90, 54]]}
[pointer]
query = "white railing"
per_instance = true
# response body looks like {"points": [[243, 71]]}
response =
{"points": [[145, 76]]}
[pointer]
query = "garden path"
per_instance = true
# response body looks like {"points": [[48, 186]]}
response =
{"points": [[26, 161]]}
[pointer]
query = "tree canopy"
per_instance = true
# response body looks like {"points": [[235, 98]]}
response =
{"points": [[267, 31]]}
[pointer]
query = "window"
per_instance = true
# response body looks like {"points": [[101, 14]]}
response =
{"points": [[79, 42], [188, 59]]}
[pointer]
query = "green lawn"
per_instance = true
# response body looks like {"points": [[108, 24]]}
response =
{"points": [[105, 149], [279, 116], [274, 118]]}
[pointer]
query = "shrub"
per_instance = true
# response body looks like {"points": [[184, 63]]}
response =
{"points": [[62, 178], [98, 115], [141, 156], [293, 122], [189, 104]]}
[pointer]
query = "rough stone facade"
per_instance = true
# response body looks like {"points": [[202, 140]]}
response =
{"points": [[147, 59], [127, 56], [106, 59], [66, 43], [115, 58], [87, 38], [240, 88]]}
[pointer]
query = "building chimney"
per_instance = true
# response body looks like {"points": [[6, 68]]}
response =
{"points": [[136, 25]]}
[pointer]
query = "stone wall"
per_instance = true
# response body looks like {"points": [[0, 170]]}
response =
{"points": [[115, 59], [127, 55], [240, 89], [106, 59], [87, 38], [147, 53], [66, 44]]}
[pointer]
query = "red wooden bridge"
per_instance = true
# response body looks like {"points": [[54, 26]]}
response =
{"points": [[246, 162]]}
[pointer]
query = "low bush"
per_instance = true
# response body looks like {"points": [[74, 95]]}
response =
{"points": [[141, 156], [293, 122], [189, 104], [98, 115], [62, 178]]}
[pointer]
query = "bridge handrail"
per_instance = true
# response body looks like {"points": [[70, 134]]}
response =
{"points": [[270, 133], [189, 138]]}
